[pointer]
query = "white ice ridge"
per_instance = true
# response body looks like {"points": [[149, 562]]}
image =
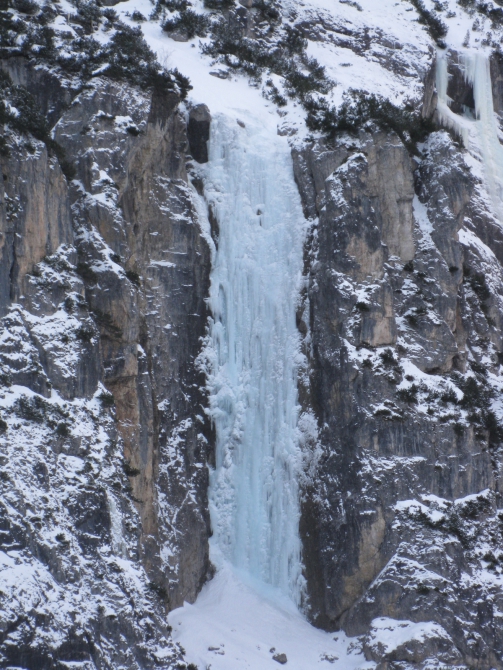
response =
{"points": [[254, 345], [480, 134]]}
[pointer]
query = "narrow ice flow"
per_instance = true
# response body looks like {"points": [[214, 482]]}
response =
{"points": [[480, 134], [118, 543], [254, 351]]}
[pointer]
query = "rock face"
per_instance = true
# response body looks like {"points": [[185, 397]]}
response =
{"points": [[102, 295], [400, 521], [153, 291]]}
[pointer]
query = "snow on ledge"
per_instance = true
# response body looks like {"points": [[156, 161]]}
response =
{"points": [[390, 634]]}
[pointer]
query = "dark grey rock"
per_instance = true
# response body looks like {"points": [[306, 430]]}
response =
{"points": [[280, 658], [198, 132], [459, 89], [52, 90]]}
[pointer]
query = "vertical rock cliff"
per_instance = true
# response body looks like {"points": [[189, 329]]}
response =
{"points": [[401, 518], [104, 433]]}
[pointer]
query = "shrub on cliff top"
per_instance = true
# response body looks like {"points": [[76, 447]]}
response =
{"points": [[302, 76], [188, 22], [126, 56], [269, 10], [494, 14], [359, 108], [88, 15], [434, 25], [9, 28], [26, 6], [219, 5], [39, 42]]}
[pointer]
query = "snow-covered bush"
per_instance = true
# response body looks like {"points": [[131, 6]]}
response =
{"points": [[188, 23], [88, 15], [495, 14], [360, 108], [26, 6], [219, 5], [126, 56], [302, 75], [436, 27]]}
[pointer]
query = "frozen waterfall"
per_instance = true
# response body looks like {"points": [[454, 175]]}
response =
{"points": [[480, 134], [254, 352]]}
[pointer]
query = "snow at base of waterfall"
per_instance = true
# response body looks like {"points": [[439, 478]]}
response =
{"points": [[233, 626]]}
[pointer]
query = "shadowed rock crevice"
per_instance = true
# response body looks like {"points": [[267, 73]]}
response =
{"points": [[198, 131]]}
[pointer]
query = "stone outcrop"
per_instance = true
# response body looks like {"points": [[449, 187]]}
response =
{"points": [[155, 296], [198, 131], [36, 216]]}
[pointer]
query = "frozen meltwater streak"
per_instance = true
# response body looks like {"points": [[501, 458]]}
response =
{"points": [[480, 134], [118, 544], [254, 496]]}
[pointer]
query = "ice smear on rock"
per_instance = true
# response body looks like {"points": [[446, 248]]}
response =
{"points": [[253, 351]]}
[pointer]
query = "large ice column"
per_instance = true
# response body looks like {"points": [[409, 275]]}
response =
{"points": [[480, 134], [254, 351]]}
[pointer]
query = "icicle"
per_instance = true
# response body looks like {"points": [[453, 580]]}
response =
{"points": [[446, 117], [442, 80], [254, 497]]}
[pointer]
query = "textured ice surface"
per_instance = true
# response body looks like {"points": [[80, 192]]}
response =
{"points": [[254, 343], [487, 140]]}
